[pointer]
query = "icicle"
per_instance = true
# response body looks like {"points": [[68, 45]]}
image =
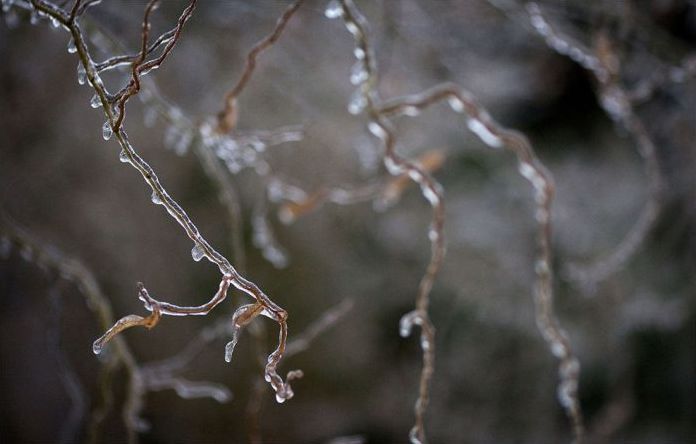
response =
{"points": [[357, 102], [95, 102], [197, 253], [81, 74], [333, 10], [408, 321], [72, 48], [358, 73], [107, 131], [157, 201]]}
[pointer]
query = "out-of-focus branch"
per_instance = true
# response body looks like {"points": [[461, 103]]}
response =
{"points": [[227, 118], [605, 65], [366, 98]]}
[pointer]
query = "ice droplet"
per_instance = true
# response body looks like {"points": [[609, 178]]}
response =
{"points": [[81, 74], [123, 156], [54, 22], [157, 201], [197, 253], [95, 102], [359, 53], [407, 322], [358, 73], [72, 49], [333, 10], [357, 102], [433, 234], [280, 399], [107, 131]]}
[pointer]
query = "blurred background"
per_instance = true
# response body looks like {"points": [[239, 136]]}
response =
{"points": [[634, 331]]}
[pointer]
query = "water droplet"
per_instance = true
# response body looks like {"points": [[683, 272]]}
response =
{"points": [[279, 398], [54, 22], [107, 131], [72, 49], [95, 102], [357, 102], [333, 10], [197, 253], [123, 156], [81, 74], [359, 53]]}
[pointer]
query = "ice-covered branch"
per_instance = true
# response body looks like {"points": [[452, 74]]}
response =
{"points": [[201, 248]]}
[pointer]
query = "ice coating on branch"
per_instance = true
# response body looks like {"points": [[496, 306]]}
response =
{"points": [[479, 128], [456, 104]]}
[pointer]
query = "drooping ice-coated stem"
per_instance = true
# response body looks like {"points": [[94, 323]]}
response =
{"points": [[114, 109]]}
